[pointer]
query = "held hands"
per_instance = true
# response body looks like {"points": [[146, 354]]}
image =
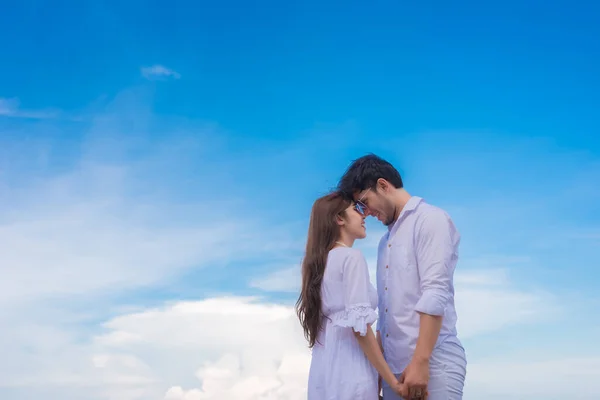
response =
{"points": [[399, 388], [414, 380]]}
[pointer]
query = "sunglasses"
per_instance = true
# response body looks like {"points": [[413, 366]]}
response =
{"points": [[360, 208]]}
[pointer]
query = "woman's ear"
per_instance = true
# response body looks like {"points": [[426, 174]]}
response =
{"points": [[339, 220]]}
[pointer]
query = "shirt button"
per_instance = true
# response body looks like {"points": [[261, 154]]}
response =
{"points": [[389, 245], [387, 266], [386, 310], [386, 335], [386, 288]]}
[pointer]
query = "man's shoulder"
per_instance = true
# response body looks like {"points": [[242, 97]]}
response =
{"points": [[427, 210], [430, 217]]}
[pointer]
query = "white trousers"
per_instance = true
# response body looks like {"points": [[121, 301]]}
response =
{"points": [[447, 373]]}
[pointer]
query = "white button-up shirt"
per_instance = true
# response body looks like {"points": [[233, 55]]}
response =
{"points": [[415, 268]]}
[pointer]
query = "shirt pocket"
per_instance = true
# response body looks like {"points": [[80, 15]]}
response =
{"points": [[400, 257]]}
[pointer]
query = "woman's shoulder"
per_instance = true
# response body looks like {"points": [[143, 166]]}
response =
{"points": [[348, 251], [349, 255]]}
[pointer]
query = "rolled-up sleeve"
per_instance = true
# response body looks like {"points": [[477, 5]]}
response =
{"points": [[436, 254]]}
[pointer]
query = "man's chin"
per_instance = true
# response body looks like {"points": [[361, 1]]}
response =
{"points": [[384, 221]]}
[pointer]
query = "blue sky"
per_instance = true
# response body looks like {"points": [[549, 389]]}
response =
{"points": [[156, 157]]}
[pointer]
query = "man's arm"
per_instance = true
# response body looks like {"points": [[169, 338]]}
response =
{"points": [[429, 330], [435, 251]]}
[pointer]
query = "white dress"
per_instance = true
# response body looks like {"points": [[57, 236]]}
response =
{"points": [[339, 369]]}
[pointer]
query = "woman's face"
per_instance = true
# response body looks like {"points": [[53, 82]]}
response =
{"points": [[354, 223]]}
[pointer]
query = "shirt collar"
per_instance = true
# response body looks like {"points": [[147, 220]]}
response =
{"points": [[410, 205]]}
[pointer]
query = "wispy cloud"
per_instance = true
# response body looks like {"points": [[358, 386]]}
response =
{"points": [[283, 280], [91, 233], [155, 72], [105, 225], [127, 216], [11, 108], [572, 377], [587, 234], [486, 299]]}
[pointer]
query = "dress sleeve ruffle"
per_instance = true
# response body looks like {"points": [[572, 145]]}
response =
{"points": [[356, 317]]}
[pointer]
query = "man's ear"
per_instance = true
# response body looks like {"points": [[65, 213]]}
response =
{"points": [[383, 185]]}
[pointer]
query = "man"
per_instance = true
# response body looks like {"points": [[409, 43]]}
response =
{"points": [[416, 328]]}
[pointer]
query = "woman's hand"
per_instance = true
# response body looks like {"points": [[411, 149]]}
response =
{"points": [[400, 389]]}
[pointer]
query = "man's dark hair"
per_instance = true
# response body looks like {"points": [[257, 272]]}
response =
{"points": [[364, 172]]}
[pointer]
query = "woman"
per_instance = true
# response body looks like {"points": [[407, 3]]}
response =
{"points": [[337, 306]]}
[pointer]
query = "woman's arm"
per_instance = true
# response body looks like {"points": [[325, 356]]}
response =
{"points": [[371, 348], [378, 336], [360, 315]]}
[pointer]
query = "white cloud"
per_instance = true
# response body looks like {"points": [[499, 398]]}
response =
{"points": [[83, 236], [159, 72], [250, 350], [242, 348], [76, 237], [239, 348]]}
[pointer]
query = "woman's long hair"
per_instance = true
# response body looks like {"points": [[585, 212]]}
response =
{"points": [[323, 231]]}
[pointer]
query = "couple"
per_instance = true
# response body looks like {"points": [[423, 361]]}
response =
{"points": [[416, 353]]}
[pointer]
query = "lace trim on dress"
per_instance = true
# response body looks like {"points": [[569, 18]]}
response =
{"points": [[356, 317]]}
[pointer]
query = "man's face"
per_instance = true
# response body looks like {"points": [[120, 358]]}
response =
{"points": [[377, 204]]}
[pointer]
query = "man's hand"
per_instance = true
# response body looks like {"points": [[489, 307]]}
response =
{"points": [[415, 378]]}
